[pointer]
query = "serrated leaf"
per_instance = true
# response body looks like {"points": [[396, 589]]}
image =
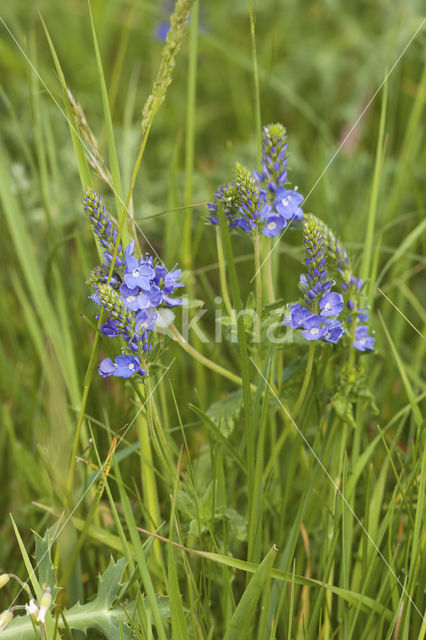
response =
{"points": [[109, 583], [185, 504], [225, 412], [100, 615], [238, 524], [45, 569], [343, 407]]}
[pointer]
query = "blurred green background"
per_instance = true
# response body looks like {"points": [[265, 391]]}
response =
{"points": [[320, 63]]}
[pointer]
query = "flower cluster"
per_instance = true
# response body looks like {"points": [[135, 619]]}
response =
{"points": [[258, 201], [354, 311], [132, 295], [326, 314], [274, 158], [318, 316], [36, 610]]}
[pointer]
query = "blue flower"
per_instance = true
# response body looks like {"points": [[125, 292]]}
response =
{"points": [[314, 328], [287, 203], [362, 314], [170, 280], [331, 304], [297, 317], [133, 299], [109, 329], [124, 366], [138, 274], [273, 226], [145, 320], [363, 341], [334, 330]]}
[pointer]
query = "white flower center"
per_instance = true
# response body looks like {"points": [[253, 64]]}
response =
{"points": [[272, 225], [314, 331], [135, 273], [285, 202], [131, 366], [327, 306], [131, 299]]}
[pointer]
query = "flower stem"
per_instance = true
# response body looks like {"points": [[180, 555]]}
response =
{"points": [[258, 278], [258, 117], [147, 469], [268, 266], [206, 361], [222, 274], [306, 380], [190, 135]]}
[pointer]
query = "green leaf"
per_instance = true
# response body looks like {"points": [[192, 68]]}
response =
{"points": [[417, 414], [185, 504], [112, 152], [239, 626], [342, 404], [225, 412], [237, 524], [98, 614], [45, 569]]}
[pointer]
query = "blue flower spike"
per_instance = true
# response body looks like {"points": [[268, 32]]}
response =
{"points": [[130, 297], [258, 201], [274, 158], [318, 315]]}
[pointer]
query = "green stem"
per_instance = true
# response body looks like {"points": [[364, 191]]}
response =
{"points": [[306, 380], [148, 479], [87, 380], [258, 118], [258, 279], [222, 274], [268, 271], [205, 361], [190, 134], [244, 359], [156, 440]]}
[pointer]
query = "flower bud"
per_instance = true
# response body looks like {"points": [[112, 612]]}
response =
{"points": [[5, 619], [44, 602], [4, 579], [32, 609]]}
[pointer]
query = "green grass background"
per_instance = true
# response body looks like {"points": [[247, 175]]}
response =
{"points": [[320, 63]]}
